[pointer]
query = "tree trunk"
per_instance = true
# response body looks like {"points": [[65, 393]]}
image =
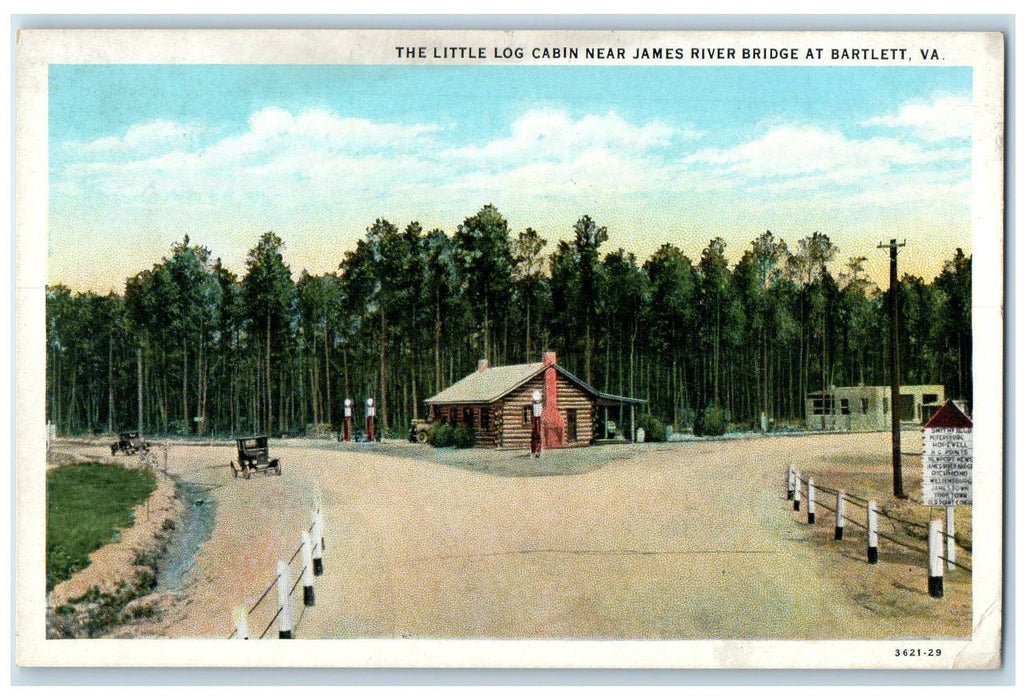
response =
{"points": [[345, 373], [110, 387], [634, 336], [413, 383], [327, 376], [313, 391], [383, 413], [486, 334], [269, 424], [185, 385], [527, 341], [587, 352], [823, 368], [438, 341], [406, 400], [139, 388], [716, 361], [200, 412]]}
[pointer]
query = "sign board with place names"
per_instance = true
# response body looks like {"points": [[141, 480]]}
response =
{"points": [[948, 458]]}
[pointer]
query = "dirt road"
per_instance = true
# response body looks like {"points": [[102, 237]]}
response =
{"points": [[684, 541]]}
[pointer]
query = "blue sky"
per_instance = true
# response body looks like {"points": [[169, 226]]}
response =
{"points": [[142, 155]]}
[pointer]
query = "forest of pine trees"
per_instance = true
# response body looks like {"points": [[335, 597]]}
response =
{"points": [[408, 312]]}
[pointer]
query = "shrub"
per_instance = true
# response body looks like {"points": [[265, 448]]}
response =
{"points": [[445, 435], [710, 422], [655, 429], [318, 430], [463, 437], [442, 435]]}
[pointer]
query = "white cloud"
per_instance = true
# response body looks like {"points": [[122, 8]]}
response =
{"points": [[330, 128], [554, 135], [941, 118], [318, 155], [794, 157], [142, 139], [281, 154]]}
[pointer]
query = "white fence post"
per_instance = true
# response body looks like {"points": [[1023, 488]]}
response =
{"points": [[871, 551], [951, 538], [308, 589], [797, 491], [241, 623], [790, 483], [284, 585], [839, 521], [812, 502], [935, 580], [318, 543]]}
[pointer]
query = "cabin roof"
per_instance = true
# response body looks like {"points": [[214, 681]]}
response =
{"points": [[491, 384], [488, 385]]}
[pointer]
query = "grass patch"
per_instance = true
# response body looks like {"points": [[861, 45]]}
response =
{"points": [[86, 505]]}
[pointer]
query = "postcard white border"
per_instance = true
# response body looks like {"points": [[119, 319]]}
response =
{"points": [[36, 49]]}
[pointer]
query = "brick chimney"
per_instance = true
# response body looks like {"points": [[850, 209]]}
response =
{"points": [[482, 365], [552, 419]]}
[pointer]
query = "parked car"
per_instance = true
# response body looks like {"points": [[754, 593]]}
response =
{"points": [[129, 443], [419, 430], [254, 456]]}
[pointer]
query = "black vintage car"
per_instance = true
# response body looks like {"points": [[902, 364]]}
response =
{"points": [[129, 444], [254, 456]]}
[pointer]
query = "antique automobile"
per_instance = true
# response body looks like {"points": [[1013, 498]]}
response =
{"points": [[253, 457], [129, 444], [419, 430]]}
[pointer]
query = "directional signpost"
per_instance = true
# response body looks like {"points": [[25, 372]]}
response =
{"points": [[948, 465]]}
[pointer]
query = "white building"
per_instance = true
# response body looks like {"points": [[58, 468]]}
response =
{"points": [[867, 408]]}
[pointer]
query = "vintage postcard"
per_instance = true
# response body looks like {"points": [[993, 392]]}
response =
{"points": [[530, 349]]}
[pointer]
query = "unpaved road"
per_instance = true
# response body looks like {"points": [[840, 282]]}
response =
{"points": [[682, 541]]}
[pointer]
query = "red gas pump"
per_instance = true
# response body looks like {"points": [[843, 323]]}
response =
{"points": [[370, 420], [347, 423], [536, 433]]}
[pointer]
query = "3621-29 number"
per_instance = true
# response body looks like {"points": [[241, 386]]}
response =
{"points": [[917, 652]]}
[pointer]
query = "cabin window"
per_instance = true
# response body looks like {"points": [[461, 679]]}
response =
{"points": [[929, 398], [485, 415], [845, 408], [527, 414], [468, 417], [865, 406], [571, 424]]}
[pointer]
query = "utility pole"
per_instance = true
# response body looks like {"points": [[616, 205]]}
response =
{"points": [[899, 486], [139, 385]]}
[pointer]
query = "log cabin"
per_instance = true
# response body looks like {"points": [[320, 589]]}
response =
{"points": [[497, 403]]}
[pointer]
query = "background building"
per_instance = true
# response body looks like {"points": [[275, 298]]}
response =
{"points": [[869, 407]]}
